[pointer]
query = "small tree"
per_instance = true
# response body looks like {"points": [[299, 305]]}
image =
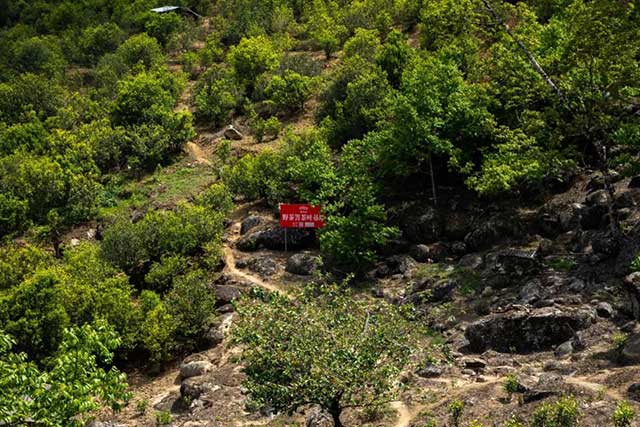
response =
{"points": [[252, 57], [324, 348], [74, 385]]}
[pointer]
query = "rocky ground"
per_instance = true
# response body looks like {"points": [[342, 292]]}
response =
{"points": [[541, 293]]}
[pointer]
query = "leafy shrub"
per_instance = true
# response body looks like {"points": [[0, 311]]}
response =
{"points": [[16, 263], [74, 386], [277, 332], [563, 413], [635, 265], [623, 415], [141, 99], [161, 274], [160, 233], [192, 304], [157, 331], [34, 313], [511, 385], [99, 40], [216, 96], [455, 411], [140, 49], [252, 57], [262, 128], [40, 56], [217, 198], [289, 92], [162, 26]]}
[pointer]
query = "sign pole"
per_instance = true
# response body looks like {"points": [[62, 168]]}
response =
{"points": [[285, 240]]}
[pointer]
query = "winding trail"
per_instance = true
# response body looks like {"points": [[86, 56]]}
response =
{"points": [[231, 269], [405, 416]]}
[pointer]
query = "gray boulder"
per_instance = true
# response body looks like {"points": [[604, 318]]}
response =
{"points": [[302, 264], [274, 238], [631, 350], [632, 287], [263, 266], [195, 369], [318, 418], [231, 132], [249, 223], [225, 294], [193, 388], [428, 227], [491, 232], [526, 331]]}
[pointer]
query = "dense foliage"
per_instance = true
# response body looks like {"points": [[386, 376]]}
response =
{"points": [[325, 349], [387, 98]]}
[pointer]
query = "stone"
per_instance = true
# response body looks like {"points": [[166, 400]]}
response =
{"points": [[597, 198], [564, 350], [472, 261], [510, 267], [604, 309], [469, 372], [491, 232], [458, 248], [439, 251], [273, 238], [195, 369], [214, 335], [536, 395], [318, 418], [428, 227], [605, 244], [593, 217], [400, 264], [420, 252], [430, 289], [633, 392], [232, 133], [531, 292], [303, 264], [193, 388], [634, 182], [570, 216], [226, 294], [473, 363], [631, 285], [526, 331], [263, 265], [631, 349], [249, 223], [430, 371], [624, 200]]}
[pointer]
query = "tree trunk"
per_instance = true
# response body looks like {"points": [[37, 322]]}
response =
{"points": [[536, 65], [433, 181], [336, 410]]}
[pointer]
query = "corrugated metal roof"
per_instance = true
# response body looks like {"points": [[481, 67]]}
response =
{"points": [[165, 9]]}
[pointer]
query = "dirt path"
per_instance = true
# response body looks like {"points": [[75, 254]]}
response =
{"points": [[196, 153], [405, 415], [231, 269]]}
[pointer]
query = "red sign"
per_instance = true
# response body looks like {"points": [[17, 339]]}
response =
{"points": [[300, 216]]}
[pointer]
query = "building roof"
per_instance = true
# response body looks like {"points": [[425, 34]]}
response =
{"points": [[165, 9]]}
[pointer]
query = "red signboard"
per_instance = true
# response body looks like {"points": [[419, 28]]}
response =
{"points": [[300, 216]]}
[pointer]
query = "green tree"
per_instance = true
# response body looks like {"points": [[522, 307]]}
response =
{"points": [[290, 91], [75, 384], [216, 95], [252, 57], [323, 348], [192, 304]]}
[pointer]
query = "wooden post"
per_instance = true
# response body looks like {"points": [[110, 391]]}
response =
{"points": [[285, 240]]}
